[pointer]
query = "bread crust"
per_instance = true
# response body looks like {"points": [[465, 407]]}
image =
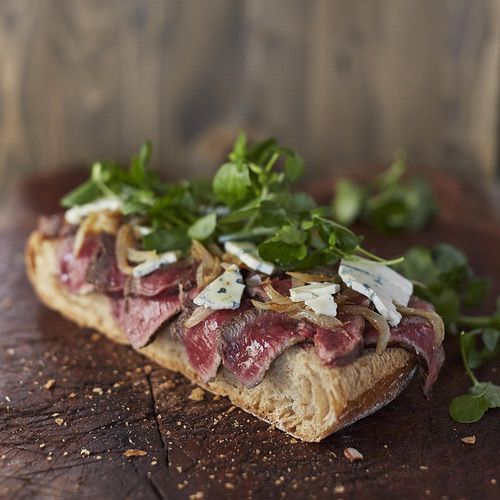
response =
{"points": [[297, 395]]}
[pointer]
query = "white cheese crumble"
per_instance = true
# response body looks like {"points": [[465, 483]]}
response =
{"points": [[309, 292], [150, 265], [324, 304], [381, 284], [225, 292], [248, 253], [76, 214]]}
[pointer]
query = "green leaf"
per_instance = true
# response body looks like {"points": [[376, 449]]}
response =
{"points": [[204, 227], [294, 167], [284, 254], [468, 408], [475, 291], [231, 183], [291, 235], [490, 337], [163, 240], [86, 193], [239, 151], [489, 391], [348, 202], [447, 304]]}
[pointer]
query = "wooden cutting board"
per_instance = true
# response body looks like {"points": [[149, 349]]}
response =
{"points": [[71, 403]]}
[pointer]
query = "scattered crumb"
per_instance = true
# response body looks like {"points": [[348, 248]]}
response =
{"points": [[7, 303], [49, 458], [98, 457], [293, 441], [181, 486], [279, 481], [229, 486], [97, 390], [178, 468], [168, 384], [469, 439], [197, 394], [59, 421], [385, 446], [154, 462], [428, 493], [95, 337], [72, 395], [65, 454], [423, 467], [147, 369], [84, 452], [352, 454], [55, 414], [197, 496], [134, 453], [49, 384], [3, 457], [230, 410], [493, 481], [339, 489], [42, 445], [11, 351]]}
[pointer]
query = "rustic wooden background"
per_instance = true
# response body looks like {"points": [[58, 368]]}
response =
{"points": [[342, 81]]}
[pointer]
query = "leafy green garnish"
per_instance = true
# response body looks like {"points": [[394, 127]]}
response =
{"points": [[443, 276], [391, 203], [483, 395], [249, 198]]}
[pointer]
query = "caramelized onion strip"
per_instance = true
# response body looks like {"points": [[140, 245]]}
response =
{"points": [[209, 267], [124, 240], [431, 316], [377, 321], [313, 278], [199, 314]]}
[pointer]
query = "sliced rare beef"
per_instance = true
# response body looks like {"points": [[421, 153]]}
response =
{"points": [[202, 343], [103, 270], [141, 317], [73, 268], [343, 345], [165, 279], [251, 341], [415, 334]]}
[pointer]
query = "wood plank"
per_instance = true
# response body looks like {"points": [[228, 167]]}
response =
{"points": [[342, 81]]}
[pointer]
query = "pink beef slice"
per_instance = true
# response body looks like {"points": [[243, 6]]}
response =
{"points": [[103, 270], [202, 343], [416, 335], [165, 279], [343, 345], [251, 341], [73, 268], [141, 317]]}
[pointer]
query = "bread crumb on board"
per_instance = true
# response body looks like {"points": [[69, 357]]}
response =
{"points": [[352, 454], [469, 439], [134, 453], [49, 384], [197, 394]]}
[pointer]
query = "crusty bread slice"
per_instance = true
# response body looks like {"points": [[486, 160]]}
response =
{"points": [[298, 394]]}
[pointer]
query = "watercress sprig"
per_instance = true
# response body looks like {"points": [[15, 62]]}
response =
{"points": [[443, 276], [392, 202], [471, 407], [249, 198]]}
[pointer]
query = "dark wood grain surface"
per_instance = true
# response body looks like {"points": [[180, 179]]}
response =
{"points": [[339, 80], [69, 441]]}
